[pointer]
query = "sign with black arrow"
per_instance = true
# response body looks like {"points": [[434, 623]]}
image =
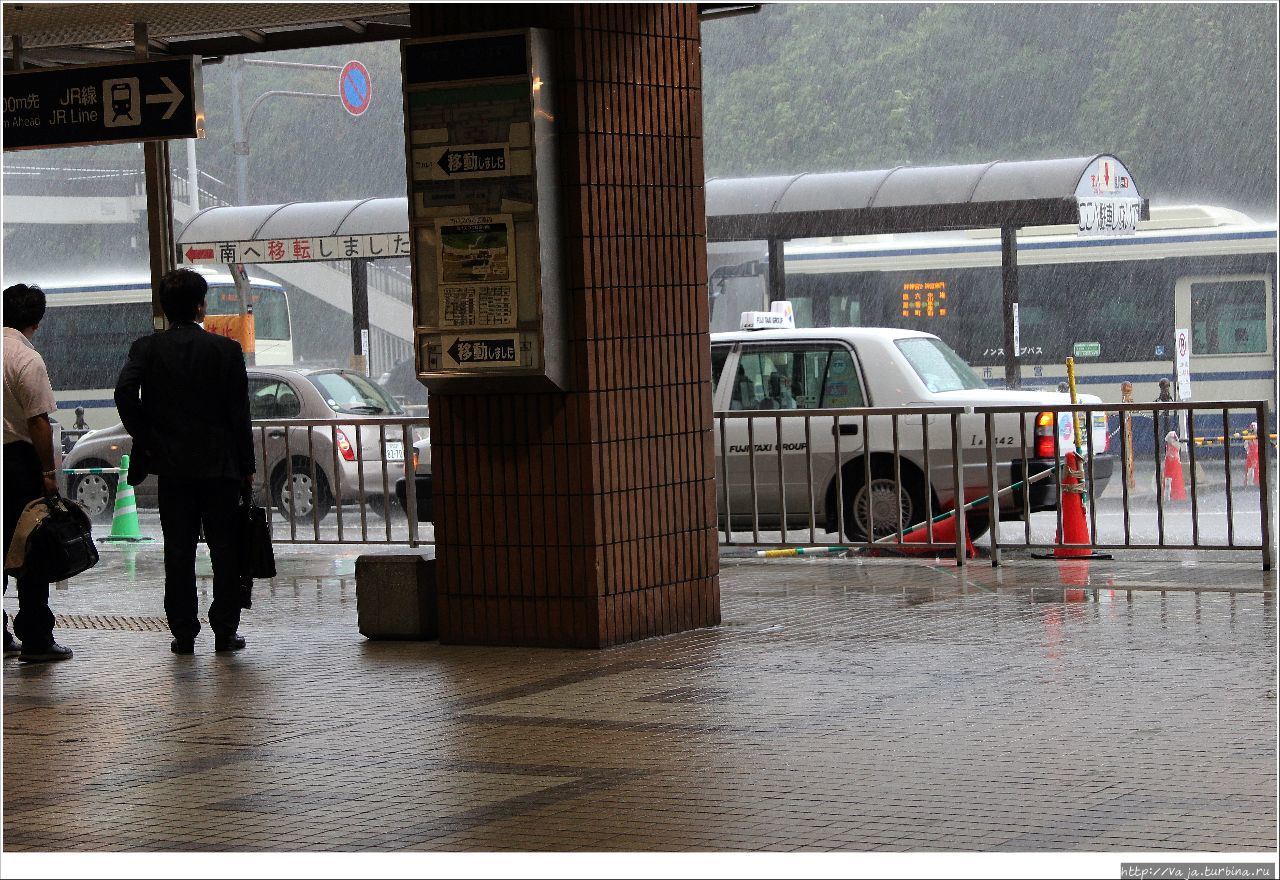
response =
{"points": [[462, 162], [467, 351], [103, 104]]}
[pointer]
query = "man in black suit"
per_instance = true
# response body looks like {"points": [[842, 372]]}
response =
{"points": [[183, 397]]}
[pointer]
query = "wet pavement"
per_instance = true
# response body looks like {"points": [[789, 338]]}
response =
{"points": [[844, 705]]}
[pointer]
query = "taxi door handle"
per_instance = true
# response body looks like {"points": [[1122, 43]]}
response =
{"points": [[846, 430]]}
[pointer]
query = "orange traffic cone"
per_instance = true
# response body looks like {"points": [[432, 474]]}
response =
{"points": [[944, 532], [1075, 528], [1177, 491]]}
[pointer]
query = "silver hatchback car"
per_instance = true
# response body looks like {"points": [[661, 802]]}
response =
{"points": [[304, 472]]}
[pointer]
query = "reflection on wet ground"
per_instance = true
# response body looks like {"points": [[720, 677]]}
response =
{"points": [[842, 705]]}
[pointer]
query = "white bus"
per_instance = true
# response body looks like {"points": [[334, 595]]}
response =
{"points": [[89, 326], [1113, 303]]}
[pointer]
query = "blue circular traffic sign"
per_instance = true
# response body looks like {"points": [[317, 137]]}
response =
{"points": [[355, 87]]}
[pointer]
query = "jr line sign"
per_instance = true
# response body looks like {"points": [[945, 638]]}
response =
{"points": [[103, 104]]}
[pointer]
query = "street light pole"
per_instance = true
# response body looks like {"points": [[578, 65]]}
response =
{"points": [[239, 121], [239, 145]]}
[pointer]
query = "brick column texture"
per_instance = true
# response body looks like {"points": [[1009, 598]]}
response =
{"points": [[587, 518]]}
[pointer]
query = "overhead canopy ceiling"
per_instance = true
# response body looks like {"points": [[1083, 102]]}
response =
{"points": [[55, 34]]}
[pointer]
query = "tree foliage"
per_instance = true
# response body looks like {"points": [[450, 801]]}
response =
{"points": [[1184, 93]]}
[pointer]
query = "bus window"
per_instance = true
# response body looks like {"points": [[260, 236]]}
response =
{"points": [[846, 311], [85, 346], [270, 309], [1229, 317]]}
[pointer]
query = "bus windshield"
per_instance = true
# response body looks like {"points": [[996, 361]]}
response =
{"points": [[270, 309], [940, 368]]}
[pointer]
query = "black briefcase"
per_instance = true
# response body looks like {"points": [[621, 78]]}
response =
{"points": [[262, 556], [61, 546], [257, 556]]}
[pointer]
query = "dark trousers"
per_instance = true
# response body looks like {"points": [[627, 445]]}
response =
{"points": [[23, 484], [185, 505]]}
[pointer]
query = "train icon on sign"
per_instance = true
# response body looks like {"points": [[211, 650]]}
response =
{"points": [[122, 106]]}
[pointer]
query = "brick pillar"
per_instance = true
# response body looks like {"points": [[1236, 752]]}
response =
{"points": [[587, 518]]}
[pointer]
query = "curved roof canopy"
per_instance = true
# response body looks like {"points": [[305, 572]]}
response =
{"points": [[904, 199], [1034, 193], [297, 220]]}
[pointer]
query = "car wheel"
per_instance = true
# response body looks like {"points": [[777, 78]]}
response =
{"points": [[96, 493], [389, 504], [298, 496], [882, 500]]}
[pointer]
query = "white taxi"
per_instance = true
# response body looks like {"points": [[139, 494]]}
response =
{"points": [[789, 372]]}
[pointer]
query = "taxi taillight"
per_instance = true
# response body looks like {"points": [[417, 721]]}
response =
{"points": [[1045, 429], [415, 461]]}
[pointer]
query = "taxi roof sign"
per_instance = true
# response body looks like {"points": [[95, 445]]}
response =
{"points": [[781, 316]]}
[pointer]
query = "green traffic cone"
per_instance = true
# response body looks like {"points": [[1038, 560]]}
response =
{"points": [[124, 522]]}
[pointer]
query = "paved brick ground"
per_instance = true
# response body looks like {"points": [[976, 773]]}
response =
{"points": [[843, 705]]}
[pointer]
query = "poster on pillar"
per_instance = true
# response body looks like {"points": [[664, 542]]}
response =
{"points": [[480, 144]]}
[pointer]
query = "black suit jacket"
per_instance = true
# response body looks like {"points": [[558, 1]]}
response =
{"points": [[183, 396]]}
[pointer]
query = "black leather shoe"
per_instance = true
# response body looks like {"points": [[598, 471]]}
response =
{"points": [[183, 646], [228, 643], [52, 652]]}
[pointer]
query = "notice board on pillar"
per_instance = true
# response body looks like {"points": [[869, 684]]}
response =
{"points": [[480, 146]]}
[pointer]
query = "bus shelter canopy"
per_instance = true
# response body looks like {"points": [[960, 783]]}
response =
{"points": [[996, 194]]}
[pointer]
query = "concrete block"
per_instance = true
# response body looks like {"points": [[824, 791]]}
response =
{"points": [[396, 596]]}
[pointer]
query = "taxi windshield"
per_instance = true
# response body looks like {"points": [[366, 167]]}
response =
{"points": [[353, 393], [940, 368]]}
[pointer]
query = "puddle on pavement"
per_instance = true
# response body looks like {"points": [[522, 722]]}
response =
{"points": [[133, 563]]}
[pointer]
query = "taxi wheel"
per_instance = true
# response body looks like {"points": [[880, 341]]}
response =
{"points": [[297, 495], [96, 493], [884, 506]]}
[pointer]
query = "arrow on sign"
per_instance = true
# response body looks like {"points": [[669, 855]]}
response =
{"points": [[471, 161], [173, 97], [202, 254], [482, 350]]}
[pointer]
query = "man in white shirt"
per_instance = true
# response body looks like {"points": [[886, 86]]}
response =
{"points": [[29, 470]]}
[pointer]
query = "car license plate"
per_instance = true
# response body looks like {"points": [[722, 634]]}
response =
{"points": [[393, 451]]}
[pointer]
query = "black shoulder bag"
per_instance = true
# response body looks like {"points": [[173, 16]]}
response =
{"points": [[61, 546], [257, 557]]}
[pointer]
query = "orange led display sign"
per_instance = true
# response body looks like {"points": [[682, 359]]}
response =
{"points": [[924, 299]]}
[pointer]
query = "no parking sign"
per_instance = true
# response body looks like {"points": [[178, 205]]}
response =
{"points": [[355, 87]]}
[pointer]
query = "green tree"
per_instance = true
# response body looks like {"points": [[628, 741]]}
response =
{"points": [[1187, 92]]}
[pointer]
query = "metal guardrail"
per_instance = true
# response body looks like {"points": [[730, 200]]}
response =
{"points": [[1163, 505], [1010, 467], [1003, 471], [311, 449], [843, 422]]}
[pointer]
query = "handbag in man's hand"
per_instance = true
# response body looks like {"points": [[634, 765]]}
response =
{"points": [[61, 545], [259, 559]]}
